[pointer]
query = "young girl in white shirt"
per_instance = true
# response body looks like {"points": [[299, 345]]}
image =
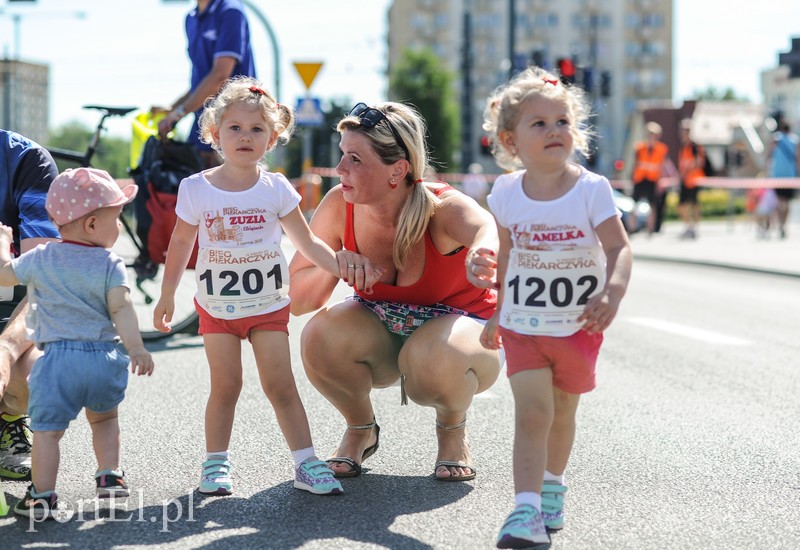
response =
{"points": [[237, 211], [562, 268]]}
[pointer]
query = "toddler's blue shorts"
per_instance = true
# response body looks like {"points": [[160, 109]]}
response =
{"points": [[72, 375]]}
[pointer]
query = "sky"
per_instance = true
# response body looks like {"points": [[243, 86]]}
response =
{"points": [[133, 53]]}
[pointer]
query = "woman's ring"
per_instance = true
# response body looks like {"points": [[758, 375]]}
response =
{"points": [[350, 266], [361, 266]]}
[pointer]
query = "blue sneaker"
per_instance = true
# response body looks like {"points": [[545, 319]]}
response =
{"points": [[553, 505], [314, 476], [523, 528], [216, 477]]}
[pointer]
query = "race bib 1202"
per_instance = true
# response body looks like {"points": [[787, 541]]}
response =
{"points": [[546, 290]]}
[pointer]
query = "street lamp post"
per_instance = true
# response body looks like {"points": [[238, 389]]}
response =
{"points": [[274, 40]]}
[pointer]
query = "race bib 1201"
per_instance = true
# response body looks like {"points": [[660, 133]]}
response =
{"points": [[237, 282], [546, 290]]}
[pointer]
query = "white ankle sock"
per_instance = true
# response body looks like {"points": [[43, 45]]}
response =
{"points": [[223, 454], [553, 477], [302, 455], [529, 497]]}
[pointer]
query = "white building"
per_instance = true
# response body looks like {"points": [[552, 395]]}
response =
{"points": [[629, 41], [782, 94], [24, 98]]}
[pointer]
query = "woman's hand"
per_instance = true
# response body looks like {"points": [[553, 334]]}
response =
{"points": [[356, 270], [481, 266]]}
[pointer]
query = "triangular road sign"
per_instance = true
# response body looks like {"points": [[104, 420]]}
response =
{"points": [[308, 72]]}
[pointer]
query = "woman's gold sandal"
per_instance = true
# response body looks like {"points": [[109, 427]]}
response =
{"points": [[453, 463], [368, 452]]}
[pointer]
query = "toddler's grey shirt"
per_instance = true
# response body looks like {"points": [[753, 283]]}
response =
{"points": [[67, 286]]}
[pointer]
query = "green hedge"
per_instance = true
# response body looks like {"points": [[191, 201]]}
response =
{"points": [[714, 203]]}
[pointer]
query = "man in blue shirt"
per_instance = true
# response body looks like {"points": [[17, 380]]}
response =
{"points": [[218, 38], [26, 170]]}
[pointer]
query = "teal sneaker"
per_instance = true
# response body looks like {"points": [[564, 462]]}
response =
{"points": [[314, 476], [553, 505], [523, 528], [216, 476]]}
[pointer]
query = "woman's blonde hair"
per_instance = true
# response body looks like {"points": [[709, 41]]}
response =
{"points": [[244, 89], [421, 203], [504, 107]]}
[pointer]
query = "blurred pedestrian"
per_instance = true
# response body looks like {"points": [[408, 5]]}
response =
{"points": [[219, 47], [783, 155], [691, 163], [766, 207], [649, 158]]}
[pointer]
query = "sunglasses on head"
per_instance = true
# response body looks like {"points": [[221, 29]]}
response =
{"points": [[369, 117]]}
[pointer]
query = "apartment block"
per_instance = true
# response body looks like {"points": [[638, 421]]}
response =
{"points": [[24, 98], [622, 50]]}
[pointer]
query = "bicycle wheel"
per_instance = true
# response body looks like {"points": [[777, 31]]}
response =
{"points": [[145, 281]]}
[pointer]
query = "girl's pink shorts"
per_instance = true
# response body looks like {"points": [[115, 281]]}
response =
{"points": [[571, 358], [274, 321]]}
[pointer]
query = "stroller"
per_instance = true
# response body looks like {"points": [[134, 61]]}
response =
{"points": [[161, 167]]}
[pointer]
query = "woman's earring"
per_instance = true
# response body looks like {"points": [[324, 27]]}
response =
{"points": [[392, 184]]}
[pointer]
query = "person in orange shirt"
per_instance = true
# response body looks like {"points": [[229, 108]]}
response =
{"points": [[650, 156], [691, 162]]}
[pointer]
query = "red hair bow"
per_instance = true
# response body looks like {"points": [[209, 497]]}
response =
{"points": [[546, 81], [257, 90]]}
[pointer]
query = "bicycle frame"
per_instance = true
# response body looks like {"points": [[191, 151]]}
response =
{"points": [[85, 159], [145, 272]]}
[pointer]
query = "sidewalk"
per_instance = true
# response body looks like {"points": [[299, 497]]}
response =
{"points": [[732, 244]]}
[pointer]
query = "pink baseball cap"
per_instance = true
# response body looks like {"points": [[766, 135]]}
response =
{"points": [[77, 191]]}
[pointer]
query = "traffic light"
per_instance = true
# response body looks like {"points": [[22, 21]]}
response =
{"points": [[486, 146], [566, 67], [587, 79], [605, 83]]}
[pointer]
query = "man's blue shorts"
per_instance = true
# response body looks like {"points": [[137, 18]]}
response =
{"points": [[72, 375]]}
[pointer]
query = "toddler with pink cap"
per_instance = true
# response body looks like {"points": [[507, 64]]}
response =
{"points": [[79, 311]]}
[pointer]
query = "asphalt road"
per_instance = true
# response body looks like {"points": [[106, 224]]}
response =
{"points": [[689, 441]]}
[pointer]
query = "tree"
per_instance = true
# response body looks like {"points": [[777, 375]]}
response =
{"points": [[713, 94], [420, 80], [113, 153]]}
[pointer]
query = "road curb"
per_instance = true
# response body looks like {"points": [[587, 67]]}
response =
{"points": [[711, 263]]}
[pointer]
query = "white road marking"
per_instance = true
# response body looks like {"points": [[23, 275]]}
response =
{"points": [[694, 333]]}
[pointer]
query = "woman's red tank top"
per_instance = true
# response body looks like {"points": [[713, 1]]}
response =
{"points": [[443, 279]]}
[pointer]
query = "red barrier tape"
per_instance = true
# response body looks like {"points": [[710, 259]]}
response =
{"points": [[664, 183]]}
